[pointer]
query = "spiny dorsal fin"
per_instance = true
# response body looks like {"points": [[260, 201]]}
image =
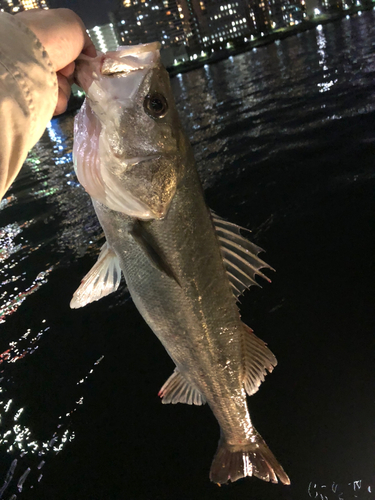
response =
{"points": [[257, 360], [102, 279], [178, 390], [240, 256]]}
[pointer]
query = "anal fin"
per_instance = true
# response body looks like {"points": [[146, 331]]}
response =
{"points": [[257, 360], [102, 279], [178, 390]]}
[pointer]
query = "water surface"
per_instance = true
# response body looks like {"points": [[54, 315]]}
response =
{"points": [[284, 140]]}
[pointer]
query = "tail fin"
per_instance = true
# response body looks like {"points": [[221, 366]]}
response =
{"points": [[255, 459]]}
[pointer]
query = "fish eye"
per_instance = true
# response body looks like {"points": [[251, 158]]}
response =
{"points": [[155, 105]]}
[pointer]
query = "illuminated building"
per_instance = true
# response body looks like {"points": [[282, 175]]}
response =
{"points": [[269, 15], [260, 13], [13, 6], [225, 22], [144, 21], [104, 37], [171, 22], [190, 25], [201, 24], [294, 12]]}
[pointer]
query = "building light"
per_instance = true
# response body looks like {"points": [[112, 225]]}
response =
{"points": [[317, 12]]}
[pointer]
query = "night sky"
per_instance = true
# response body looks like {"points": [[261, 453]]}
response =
{"points": [[92, 12]]}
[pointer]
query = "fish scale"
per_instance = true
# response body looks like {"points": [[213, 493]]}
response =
{"points": [[183, 265]]}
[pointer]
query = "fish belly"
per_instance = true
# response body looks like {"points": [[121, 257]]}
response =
{"points": [[196, 318]]}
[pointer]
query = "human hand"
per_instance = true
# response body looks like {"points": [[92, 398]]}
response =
{"points": [[63, 35]]}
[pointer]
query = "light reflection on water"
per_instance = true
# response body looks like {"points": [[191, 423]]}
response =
{"points": [[30, 251], [270, 105], [20, 441]]}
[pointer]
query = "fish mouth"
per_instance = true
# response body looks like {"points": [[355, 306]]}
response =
{"points": [[130, 62], [127, 59]]}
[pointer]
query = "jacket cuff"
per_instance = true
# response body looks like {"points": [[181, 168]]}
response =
{"points": [[25, 63]]}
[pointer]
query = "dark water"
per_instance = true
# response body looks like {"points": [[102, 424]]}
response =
{"points": [[285, 141]]}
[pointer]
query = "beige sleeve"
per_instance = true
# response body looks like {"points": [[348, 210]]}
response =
{"points": [[28, 95]]}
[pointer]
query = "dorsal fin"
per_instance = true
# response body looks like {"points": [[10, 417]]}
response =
{"points": [[257, 360], [240, 256], [102, 279], [178, 390]]}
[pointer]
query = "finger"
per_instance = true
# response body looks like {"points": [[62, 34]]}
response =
{"points": [[62, 104], [61, 32], [89, 48], [68, 72], [64, 94]]}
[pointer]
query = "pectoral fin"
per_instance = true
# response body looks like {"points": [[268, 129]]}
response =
{"points": [[178, 390], [240, 256], [103, 279], [257, 360], [151, 249]]}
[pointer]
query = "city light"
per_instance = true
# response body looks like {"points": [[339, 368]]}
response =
{"points": [[186, 28], [104, 37], [8, 5]]}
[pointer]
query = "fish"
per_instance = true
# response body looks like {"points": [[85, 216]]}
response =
{"points": [[184, 265]]}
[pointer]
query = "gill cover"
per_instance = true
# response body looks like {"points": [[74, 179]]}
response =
{"points": [[125, 155]]}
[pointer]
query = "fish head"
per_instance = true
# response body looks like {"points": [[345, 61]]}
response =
{"points": [[129, 144]]}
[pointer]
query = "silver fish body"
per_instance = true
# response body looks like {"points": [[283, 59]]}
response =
{"points": [[175, 262]]}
